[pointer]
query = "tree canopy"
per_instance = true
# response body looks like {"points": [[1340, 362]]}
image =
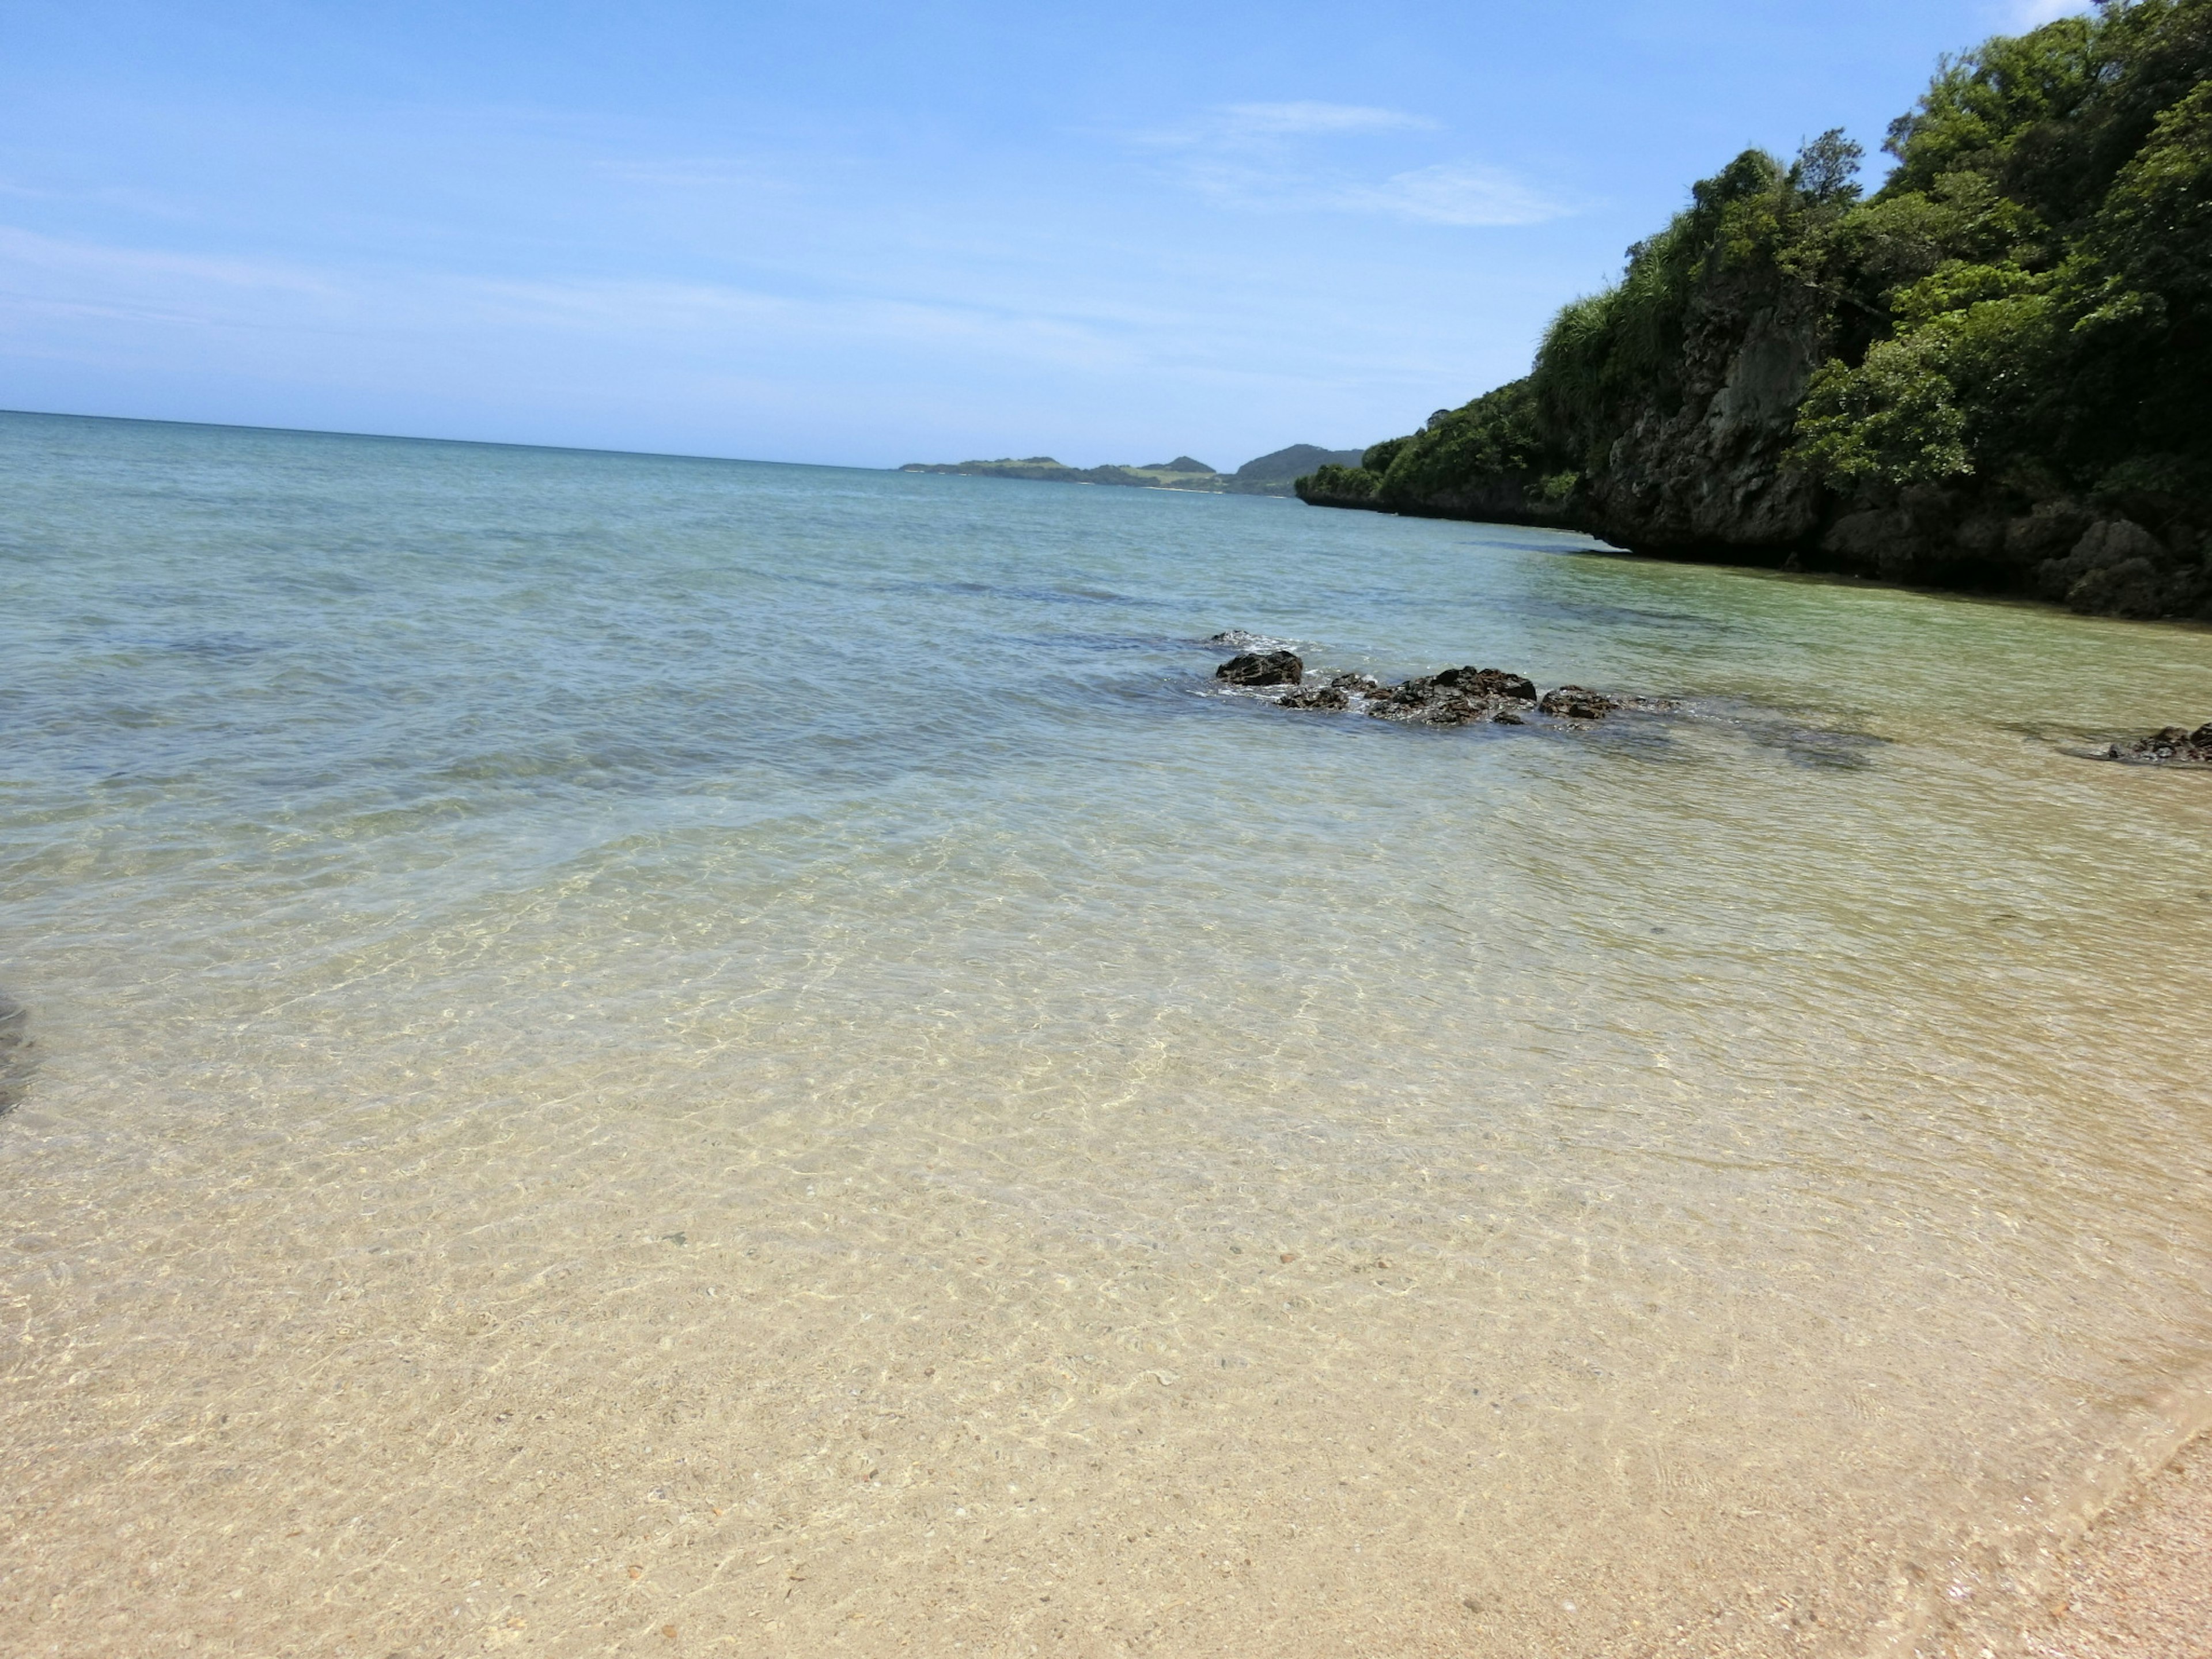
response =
{"points": [[2024, 304]]}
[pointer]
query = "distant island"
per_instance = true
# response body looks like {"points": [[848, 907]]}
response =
{"points": [[1995, 373], [1272, 474]]}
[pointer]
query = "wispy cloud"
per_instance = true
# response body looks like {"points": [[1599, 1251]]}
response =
{"points": [[23, 250], [1275, 127], [1464, 193], [410, 312], [1307, 118], [1280, 158], [1451, 194]]}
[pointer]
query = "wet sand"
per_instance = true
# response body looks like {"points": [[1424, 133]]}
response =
{"points": [[2140, 1585]]}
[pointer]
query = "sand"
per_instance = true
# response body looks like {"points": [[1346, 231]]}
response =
{"points": [[2139, 1586]]}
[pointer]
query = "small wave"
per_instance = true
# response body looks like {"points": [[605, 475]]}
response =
{"points": [[1238, 639]]}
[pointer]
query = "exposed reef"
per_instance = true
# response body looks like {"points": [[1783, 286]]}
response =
{"points": [[1457, 696], [1469, 695], [2174, 746]]}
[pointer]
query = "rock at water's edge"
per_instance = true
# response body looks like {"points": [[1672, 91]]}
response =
{"points": [[1263, 668], [1489, 683], [1457, 697], [2173, 746], [1577, 703]]}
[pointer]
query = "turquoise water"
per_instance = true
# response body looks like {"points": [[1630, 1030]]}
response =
{"points": [[769, 1026]]}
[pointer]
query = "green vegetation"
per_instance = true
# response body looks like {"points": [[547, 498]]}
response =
{"points": [[1284, 465], [2018, 322]]}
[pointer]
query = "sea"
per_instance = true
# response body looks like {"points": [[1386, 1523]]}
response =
{"points": [[627, 1054]]}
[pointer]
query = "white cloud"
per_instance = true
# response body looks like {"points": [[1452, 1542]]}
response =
{"points": [[1452, 194], [1264, 158], [1464, 193]]}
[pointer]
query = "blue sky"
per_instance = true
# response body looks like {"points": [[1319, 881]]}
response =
{"points": [[869, 233]]}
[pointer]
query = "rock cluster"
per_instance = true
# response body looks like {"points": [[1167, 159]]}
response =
{"points": [[1457, 697], [2173, 746]]}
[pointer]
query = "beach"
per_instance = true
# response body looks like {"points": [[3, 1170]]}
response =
{"points": [[644, 1055]]}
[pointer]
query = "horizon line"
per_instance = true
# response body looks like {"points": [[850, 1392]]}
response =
{"points": [[418, 438]]}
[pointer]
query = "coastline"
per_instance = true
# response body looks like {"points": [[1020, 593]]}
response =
{"points": [[1890, 555]]}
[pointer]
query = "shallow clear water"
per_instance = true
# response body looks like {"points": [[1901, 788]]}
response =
{"points": [[628, 1044]]}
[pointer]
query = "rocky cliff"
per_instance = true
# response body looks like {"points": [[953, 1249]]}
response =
{"points": [[1991, 375]]}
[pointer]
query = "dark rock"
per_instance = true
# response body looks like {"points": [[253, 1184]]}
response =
{"points": [[1410, 693], [1457, 697], [2133, 587], [2116, 567], [1983, 536], [1489, 682], [2045, 533], [1866, 542], [2116, 541], [1449, 709], [2174, 746], [1263, 668], [1577, 703], [1396, 705]]}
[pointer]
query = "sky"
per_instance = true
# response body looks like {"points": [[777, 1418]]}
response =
{"points": [[864, 234]]}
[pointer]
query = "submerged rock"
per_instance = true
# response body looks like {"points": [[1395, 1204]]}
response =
{"points": [[1263, 668], [1577, 703], [1316, 696], [2173, 746]]}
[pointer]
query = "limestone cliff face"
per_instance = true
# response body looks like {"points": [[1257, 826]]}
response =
{"points": [[1709, 474]]}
